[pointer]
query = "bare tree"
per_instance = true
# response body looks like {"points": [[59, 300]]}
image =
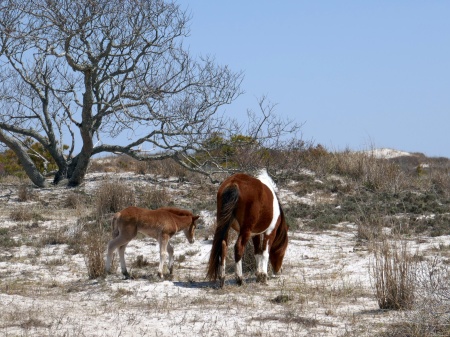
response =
{"points": [[92, 70]]}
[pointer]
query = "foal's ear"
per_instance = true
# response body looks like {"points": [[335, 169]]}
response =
{"points": [[195, 217]]}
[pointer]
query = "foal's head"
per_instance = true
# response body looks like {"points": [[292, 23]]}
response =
{"points": [[189, 231]]}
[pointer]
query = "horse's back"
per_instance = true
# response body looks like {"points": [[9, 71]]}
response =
{"points": [[255, 202], [176, 211], [249, 187]]}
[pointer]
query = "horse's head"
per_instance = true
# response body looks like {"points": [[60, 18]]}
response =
{"points": [[279, 245], [190, 231]]}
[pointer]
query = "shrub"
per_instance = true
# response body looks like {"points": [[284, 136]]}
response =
{"points": [[393, 272], [24, 214], [113, 196], [24, 193], [154, 198], [96, 237], [74, 200]]}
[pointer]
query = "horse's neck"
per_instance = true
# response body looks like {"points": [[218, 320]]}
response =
{"points": [[182, 221]]}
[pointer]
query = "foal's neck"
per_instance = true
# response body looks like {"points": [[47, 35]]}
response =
{"points": [[182, 221]]}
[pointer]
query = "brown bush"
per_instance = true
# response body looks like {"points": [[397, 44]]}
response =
{"points": [[112, 196], [96, 236], [393, 272], [24, 214], [154, 198], [24, 193]]}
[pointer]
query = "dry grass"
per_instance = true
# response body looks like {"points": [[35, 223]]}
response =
{"points": [[95, 236], [153, 198], [25, 193], [113, 196], [25, 213], [393, 272]]}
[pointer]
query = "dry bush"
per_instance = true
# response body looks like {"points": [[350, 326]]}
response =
{"points": [[24, 213], [141, 167], [167, 168], [430, 316], [7, 240], [371, 172], [24, 193], [154, 198], [393, 271], [96, 237], [75, 200], [369, 227], [112, 196]]}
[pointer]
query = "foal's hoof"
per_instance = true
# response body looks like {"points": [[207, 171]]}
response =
{"points": [[126, 276], [261, 278]]}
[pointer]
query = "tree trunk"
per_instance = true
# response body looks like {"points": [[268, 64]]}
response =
{"points": [[86, 130], [28, 165], [78, 169]]}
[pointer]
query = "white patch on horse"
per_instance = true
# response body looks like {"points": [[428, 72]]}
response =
{"points": [[239, 268], [258, 258], [267, 180], [265, 260]]}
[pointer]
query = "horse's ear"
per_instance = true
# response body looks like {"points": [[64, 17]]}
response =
{"points": [[195, 217]]}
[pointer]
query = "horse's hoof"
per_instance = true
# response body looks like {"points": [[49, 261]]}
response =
{"points": [[126, 276], [221, 282], [261, 278], [239, 281], [160, 275]]}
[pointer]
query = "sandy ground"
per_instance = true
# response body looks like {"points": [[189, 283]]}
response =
{"points": [[325, 289]]}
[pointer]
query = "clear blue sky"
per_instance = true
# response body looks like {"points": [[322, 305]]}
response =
{"points": [[357, 73]]}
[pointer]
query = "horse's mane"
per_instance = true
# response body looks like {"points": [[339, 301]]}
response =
{"points": [[264, 177]]}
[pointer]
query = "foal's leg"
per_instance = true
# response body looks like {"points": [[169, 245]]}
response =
{"points": [[112, 246], [123, 266], [170, 251], [239, 249], [163, 243]]}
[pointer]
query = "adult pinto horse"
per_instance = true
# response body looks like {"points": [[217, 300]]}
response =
{"points": [[250, 206], [160, 224]]}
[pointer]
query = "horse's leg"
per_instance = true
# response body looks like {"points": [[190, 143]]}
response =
{"points": [[112, 246], [262, 277], [223, 259], [170, 251], [239, 248], [258, 254], [163, 243], [123, 266]]}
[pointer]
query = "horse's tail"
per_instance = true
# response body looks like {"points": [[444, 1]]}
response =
{"points": [[114, 228], [225, 217]]}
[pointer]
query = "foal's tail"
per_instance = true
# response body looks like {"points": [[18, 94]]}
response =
{"points": [[225, 217], [114, 229]]}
